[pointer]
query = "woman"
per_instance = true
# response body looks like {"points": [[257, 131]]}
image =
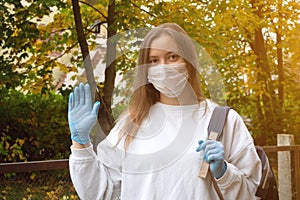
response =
{"points": [[158, 144]]}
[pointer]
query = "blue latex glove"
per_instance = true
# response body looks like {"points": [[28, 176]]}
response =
{"points": [[213, 153], [82, 116]]}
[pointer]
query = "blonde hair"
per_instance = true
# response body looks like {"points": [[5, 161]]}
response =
{"points": [[145, 95]]}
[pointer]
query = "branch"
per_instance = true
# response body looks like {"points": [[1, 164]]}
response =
{"points": [[61, 30], [83, 2], [98, 24], [56, 58], [135, 5]]}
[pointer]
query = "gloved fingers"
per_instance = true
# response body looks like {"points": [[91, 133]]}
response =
{"points": [[88, 96], [210, 146], [209, 158], [81, 94], [96, 108], [214, 148], [212, 151], [76, 97], [214, 155], [200, 142], [213, 145], [71, 102], [203, 144]]}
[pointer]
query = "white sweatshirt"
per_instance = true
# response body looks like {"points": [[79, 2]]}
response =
{"points": [[162, 163]]}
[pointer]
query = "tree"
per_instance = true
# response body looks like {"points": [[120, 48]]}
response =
{"points": [[116, 22], [239, 35], [250, 42]]}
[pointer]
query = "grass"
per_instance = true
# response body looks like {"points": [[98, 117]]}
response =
{"points": [[37, 186]]}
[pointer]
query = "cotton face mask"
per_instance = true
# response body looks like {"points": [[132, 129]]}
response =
{"points": [[169, 79]]}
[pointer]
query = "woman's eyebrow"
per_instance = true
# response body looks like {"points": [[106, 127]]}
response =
{"points": [[172, 52], [151, 57], [166, 53]]}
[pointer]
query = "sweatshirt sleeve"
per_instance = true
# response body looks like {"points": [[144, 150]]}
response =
{"points": [[243, 173], [92, 178]]}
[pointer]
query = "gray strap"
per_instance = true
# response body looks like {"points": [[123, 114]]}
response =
{"points": [[216, 124], [218, 120]]}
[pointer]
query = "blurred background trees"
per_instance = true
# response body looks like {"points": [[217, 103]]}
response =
{"points": [[254, 44]]}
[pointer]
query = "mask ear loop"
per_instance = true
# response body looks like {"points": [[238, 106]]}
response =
{"points": [[188, 76]]}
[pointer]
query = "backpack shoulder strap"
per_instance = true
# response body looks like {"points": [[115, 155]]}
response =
{"points": [[215, 129], [217, 120]]}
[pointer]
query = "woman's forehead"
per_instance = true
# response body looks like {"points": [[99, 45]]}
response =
{"points": [[164, 43], [159, 52]]}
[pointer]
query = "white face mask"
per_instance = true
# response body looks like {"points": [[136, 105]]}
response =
{"points": [[169, 79]]}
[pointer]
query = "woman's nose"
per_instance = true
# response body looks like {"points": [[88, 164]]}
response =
{"points": [[162, 61]]}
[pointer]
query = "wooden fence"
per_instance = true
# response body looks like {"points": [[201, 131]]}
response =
{"points": [[272, 152], [294, 150]]}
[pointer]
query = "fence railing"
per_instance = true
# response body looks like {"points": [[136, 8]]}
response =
{"points": [[36, 180], [294, 151], [50, 166], [34, 166]]}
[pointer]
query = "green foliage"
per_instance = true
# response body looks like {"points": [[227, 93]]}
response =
{"points": [[11, 149], [33, 127], [228, 30], [22, 59], [249, 64]]}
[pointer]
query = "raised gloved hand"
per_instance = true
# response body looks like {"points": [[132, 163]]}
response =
{"points": [[82, 116], [213, 153]]}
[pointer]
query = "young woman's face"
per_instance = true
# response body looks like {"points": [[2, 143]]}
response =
{"points": [[164, 50], [167, 71]]}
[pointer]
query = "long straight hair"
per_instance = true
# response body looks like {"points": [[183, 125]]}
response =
{"points": [[145, 95]]}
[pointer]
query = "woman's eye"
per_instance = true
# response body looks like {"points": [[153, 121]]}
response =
{"points": [[152, 61], [173, 57]]}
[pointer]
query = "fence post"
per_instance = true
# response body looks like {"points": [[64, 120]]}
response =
{"points": [[284, 167]]}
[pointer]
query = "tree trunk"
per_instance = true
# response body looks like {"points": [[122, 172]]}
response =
{"points": [[280, 69], [105, 115], [268, 98], [84, 48], [260, 139]]}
